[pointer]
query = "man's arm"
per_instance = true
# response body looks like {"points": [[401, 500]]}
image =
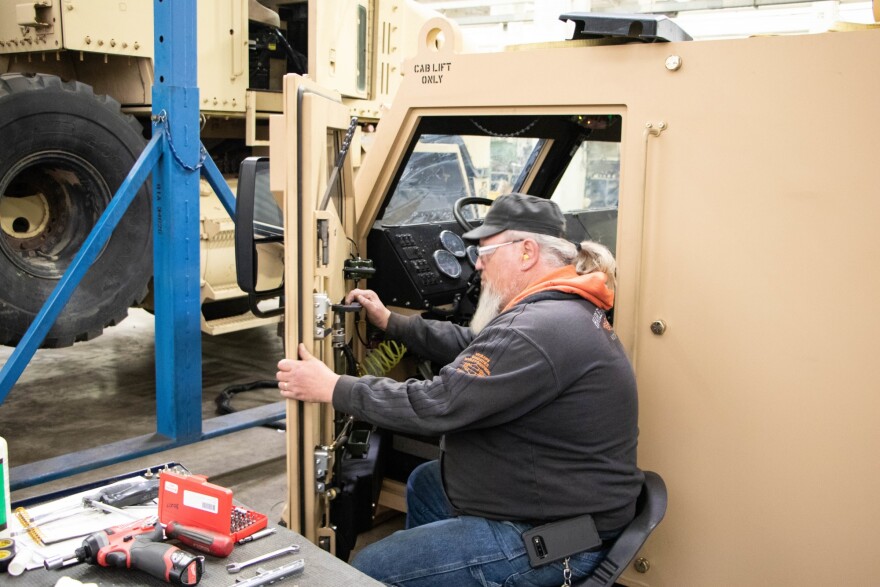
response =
{"points": [[308, 379], [499, 378], [436, 340]]}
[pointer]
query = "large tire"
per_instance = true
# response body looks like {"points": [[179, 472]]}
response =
{"points": [[63, 154]]}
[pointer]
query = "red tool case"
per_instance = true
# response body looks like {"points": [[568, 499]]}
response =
{"points": [[192, 501]]}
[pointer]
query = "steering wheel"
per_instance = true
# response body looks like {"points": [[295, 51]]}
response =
{"points": [[467, 201], [473, 285]]}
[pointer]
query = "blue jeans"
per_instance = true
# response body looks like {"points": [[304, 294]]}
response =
{"points": [[439, 549]]}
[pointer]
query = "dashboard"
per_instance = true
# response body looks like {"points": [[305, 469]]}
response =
{"points": [[420, 265]]}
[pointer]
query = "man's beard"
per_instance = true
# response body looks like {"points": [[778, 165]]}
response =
{"points": [[489, 306]]}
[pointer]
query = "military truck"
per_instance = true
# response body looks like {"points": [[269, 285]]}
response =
{"points": [[734, 179], [75, 97]]}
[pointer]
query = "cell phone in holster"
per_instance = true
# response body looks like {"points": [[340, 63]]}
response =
{"points": [[557, 540]]}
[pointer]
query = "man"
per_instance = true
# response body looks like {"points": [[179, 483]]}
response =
{"points": [[537, 407]]}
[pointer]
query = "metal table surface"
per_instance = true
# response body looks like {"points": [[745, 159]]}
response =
{"points": [[321, 568]]}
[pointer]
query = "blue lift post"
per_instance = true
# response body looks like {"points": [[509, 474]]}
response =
{"points": [[176, 222], [176, 158]]}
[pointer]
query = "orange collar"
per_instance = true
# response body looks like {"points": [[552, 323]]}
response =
{"points": [[590, 286]]}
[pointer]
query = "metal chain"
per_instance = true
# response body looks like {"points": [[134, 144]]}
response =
{"points": [[566, 573], [162, 120], [503, 135]]}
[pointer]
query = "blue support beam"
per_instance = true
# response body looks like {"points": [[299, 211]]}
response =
{"points": [[176, 258]]}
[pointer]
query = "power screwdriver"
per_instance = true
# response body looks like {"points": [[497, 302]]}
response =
{"points": [[138, 545], [208, 541]]}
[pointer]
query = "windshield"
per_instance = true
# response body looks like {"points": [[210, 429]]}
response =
{"points": [[579, 172]]}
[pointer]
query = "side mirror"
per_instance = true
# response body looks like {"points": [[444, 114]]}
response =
{"points": [[259, 237]]}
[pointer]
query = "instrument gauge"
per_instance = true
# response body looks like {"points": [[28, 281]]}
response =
{"points": [[472, 255], [452, 243], [447, 263]]}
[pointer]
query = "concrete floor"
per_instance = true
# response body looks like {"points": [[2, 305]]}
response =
{"points": [[102, 391]]}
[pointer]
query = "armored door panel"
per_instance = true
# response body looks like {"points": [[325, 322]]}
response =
{"points": [[306, 142], [753, 311]]}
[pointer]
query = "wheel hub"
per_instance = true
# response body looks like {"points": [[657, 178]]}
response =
{"points": [[49, 203], [24, 217]]}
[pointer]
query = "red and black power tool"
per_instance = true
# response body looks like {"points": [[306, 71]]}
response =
{"points": [[138, 545]]}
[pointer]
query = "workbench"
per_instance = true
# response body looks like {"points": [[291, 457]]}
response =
{"points": [[321, 569]]}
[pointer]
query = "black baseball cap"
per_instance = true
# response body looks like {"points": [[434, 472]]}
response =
{"points": [[520, 212]]}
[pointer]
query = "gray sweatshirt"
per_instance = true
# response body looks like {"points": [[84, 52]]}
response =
{"points": [[538, 412]]}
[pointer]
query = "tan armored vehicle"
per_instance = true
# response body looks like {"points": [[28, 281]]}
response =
{"points": [[736, 182], [75, 98]]}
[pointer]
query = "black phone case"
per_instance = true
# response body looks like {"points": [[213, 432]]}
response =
{"points": [[557, 540]]}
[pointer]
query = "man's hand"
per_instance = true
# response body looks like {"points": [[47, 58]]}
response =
{"points": [[377, 313], [307, 379]]}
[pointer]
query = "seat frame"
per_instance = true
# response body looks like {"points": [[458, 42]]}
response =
{"points": [[650, 509]]}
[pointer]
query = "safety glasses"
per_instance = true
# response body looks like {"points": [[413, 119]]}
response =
{"points": [[486, 250]]}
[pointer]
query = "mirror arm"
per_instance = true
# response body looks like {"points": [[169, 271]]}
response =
{"points": [[256, 298]]}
